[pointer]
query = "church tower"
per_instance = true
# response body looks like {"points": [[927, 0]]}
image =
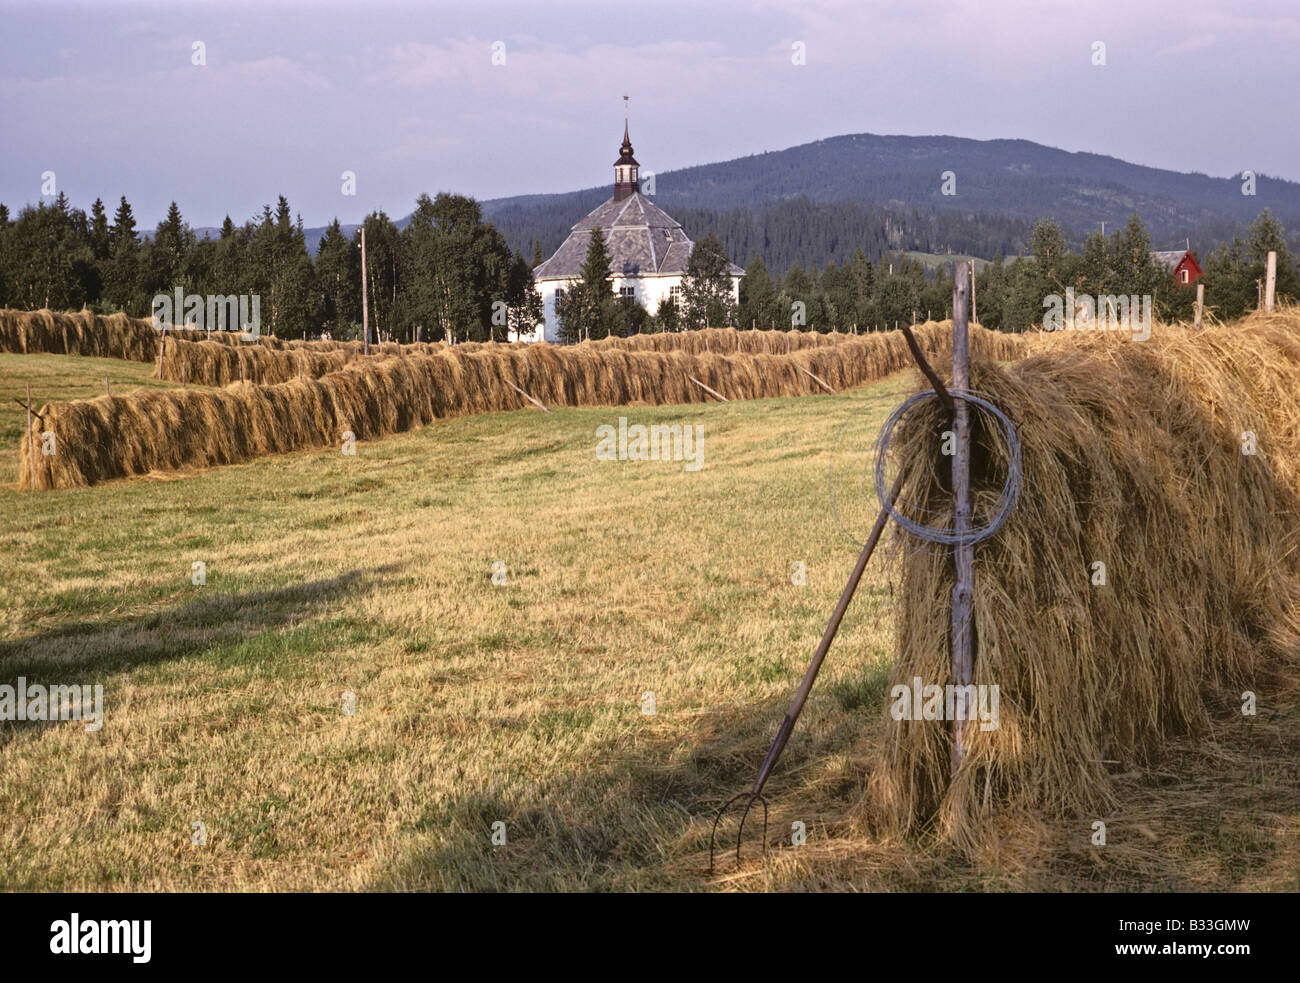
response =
{"points": [[627, 180], [648, 251]]}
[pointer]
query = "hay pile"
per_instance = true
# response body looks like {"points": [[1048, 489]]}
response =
{"points": [[217, 361], [1133, 457], [884, 352], [112, 437], [725, 341], [82, 333], [134, 339]]}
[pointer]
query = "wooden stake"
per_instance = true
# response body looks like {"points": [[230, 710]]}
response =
{"points": [[974, 318], [818, 379], [184, 374], [162, 347], [108, 390], [1270, 281], [1200, 304], [711, 392], [526, 396], [31, 449], [963, 591], [365, 297]]}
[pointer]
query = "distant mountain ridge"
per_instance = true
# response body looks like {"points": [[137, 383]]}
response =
{"points": [[1012, 179]]}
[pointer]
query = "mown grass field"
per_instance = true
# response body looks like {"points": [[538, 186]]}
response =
{"points": [[474, 703], [477, 703]]}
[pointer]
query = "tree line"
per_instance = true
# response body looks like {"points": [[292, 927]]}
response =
{"points": [[448, 275], [863, 295]]}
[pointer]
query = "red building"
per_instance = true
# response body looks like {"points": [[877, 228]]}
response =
{"points": [[1181, 263]]}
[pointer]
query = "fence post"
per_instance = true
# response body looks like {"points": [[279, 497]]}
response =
{"points": [[1270, 281], [1200, 304], [963, 591], [31, 451]]}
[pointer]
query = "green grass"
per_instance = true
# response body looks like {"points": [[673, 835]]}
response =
{"points": [[475, 703], [521, 704]]}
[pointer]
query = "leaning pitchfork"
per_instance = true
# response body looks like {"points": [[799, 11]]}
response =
{"points": [[755, 794]]}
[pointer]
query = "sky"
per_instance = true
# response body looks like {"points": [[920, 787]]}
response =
{"points": [[495, 99]]}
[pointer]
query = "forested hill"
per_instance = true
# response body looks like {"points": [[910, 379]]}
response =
{"points": [[817, 202]]}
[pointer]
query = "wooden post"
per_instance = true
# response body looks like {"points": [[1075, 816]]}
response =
{"points": [[1270, 281], [108, 390], [1200, 304], [963, 591], [817, 379], [974, 318], [530, 399], [711, 392], [365, 297], [162, 347], [31, 449], [184, 374], [241, 370]]}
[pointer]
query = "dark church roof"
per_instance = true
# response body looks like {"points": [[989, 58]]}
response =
{"points": [[625, 151], [642, 239]]}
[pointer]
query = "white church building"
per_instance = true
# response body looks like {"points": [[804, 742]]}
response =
{"points": [[648, 250]]}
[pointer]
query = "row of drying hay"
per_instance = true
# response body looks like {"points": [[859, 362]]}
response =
{"points": [[215, 362], [82, 333], [135, 338], [117, 436], [845, 360], [212, 363], [725, 341], [1135, 456]]}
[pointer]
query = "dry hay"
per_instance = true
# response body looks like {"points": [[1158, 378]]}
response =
{"points": [[1132, 456], [217, 361], [725, 341], [115, 436], [269, 364], [135, 339], [81, 333]]}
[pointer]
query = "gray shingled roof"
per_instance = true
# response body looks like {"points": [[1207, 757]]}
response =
{"points": [[643, 240]]}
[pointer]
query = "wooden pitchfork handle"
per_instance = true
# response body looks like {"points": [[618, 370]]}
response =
{"points": [[809, 677]]}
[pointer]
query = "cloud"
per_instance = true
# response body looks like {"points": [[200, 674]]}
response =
{"points": [[1198, 42]]}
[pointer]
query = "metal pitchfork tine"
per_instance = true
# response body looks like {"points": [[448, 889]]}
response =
{"points": [[810, 677]]}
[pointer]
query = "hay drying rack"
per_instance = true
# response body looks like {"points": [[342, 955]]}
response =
{"points": [[955, 402]]}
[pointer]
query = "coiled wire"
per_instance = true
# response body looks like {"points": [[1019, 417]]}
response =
{"points": [[948, 536]]}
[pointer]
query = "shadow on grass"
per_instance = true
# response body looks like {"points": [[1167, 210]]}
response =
{"points": [[87, 652], [631, 823]]}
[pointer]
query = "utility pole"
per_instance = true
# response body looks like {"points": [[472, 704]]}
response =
{"points": [[365, 298]]}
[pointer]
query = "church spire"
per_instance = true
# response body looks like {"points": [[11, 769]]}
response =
{"points": [[627, 181]]}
